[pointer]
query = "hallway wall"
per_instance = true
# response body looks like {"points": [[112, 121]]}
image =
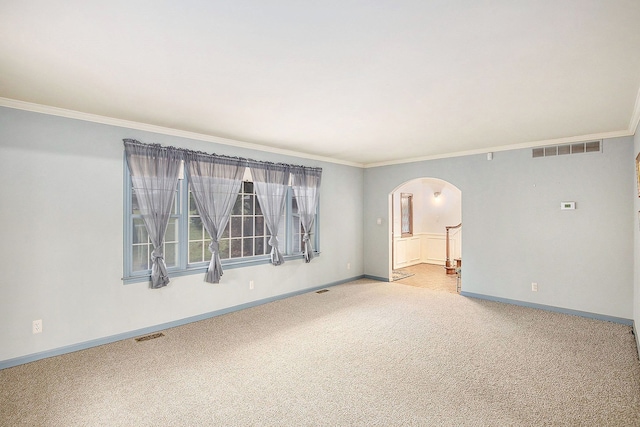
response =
{"points": [[430, 217]]}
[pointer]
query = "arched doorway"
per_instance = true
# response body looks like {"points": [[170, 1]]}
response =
{"points": [[421, 210]]}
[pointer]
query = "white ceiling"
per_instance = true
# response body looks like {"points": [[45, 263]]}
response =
{"points": [[367, 82]]}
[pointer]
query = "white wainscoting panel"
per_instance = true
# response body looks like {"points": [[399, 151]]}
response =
{"points": [[414, 250], [406, 251], [429, 248], [436, 248]]}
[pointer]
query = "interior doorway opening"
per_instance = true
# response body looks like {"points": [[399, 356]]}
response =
{"points": [[424, 212]]}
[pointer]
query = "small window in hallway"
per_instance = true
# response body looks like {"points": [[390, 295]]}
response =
{"points": [[406, 213]]}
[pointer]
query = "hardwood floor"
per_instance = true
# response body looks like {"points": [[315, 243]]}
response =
{"points": [[429, 276]]}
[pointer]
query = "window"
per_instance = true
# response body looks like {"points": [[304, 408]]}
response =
{"points": [[141, 243], [244, 236], [298, 231], [186, 248], [406, 214]]}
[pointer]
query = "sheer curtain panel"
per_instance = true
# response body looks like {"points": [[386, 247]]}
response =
{"points": [[215, 182], [154, 177], [270, 182], [306, 188]]}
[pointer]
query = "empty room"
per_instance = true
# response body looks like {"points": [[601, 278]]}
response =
{"points": [[379, 213]]}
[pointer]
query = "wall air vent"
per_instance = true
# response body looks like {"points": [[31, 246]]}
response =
{"points": [[150, 337], [560, 150]]}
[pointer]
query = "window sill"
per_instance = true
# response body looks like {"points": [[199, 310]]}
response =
{"points": [[202, 268]]}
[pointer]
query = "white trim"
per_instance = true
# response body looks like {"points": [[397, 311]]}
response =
{"points": [[635, 116], [78, 115], [71, 114], [533, 144]]}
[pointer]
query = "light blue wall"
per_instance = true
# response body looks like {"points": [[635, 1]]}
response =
{"points": [[516, 234], [61, 214], [62, 225]]}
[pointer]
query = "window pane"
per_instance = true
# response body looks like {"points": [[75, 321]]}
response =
{"points": [[237, 207], [192, 205], [196, 252], [259, 242], [406, 214], [298, 232], [224, 249], [258, 208], [176, 201], [259, 226], [139, 231], [195, 228], [248, 187], [247, 226], [247, 204], [236, 227], [282, 229], [135, 207], [140, 257], [404, 208], [172, 231], [247, 246], [225, 233], [236, 248], [171, 254]]}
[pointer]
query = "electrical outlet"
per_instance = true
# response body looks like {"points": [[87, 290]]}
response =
{"points": [[250, 284], [534, 286], [37, 326], [348, 266]]}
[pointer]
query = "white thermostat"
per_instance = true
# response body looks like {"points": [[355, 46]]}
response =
{"points": [[567, 205]]}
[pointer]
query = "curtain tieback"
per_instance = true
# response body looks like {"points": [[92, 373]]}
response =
{"points": [[159, 276], [273, 241], [215, 266], [157, 254]]}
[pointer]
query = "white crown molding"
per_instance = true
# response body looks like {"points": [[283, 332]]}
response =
{"points": [[78, 115], [72, 114], [635, 117], [533, 144]]}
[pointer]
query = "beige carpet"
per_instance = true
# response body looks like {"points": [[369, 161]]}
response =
{"points": [[363, 354]]}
